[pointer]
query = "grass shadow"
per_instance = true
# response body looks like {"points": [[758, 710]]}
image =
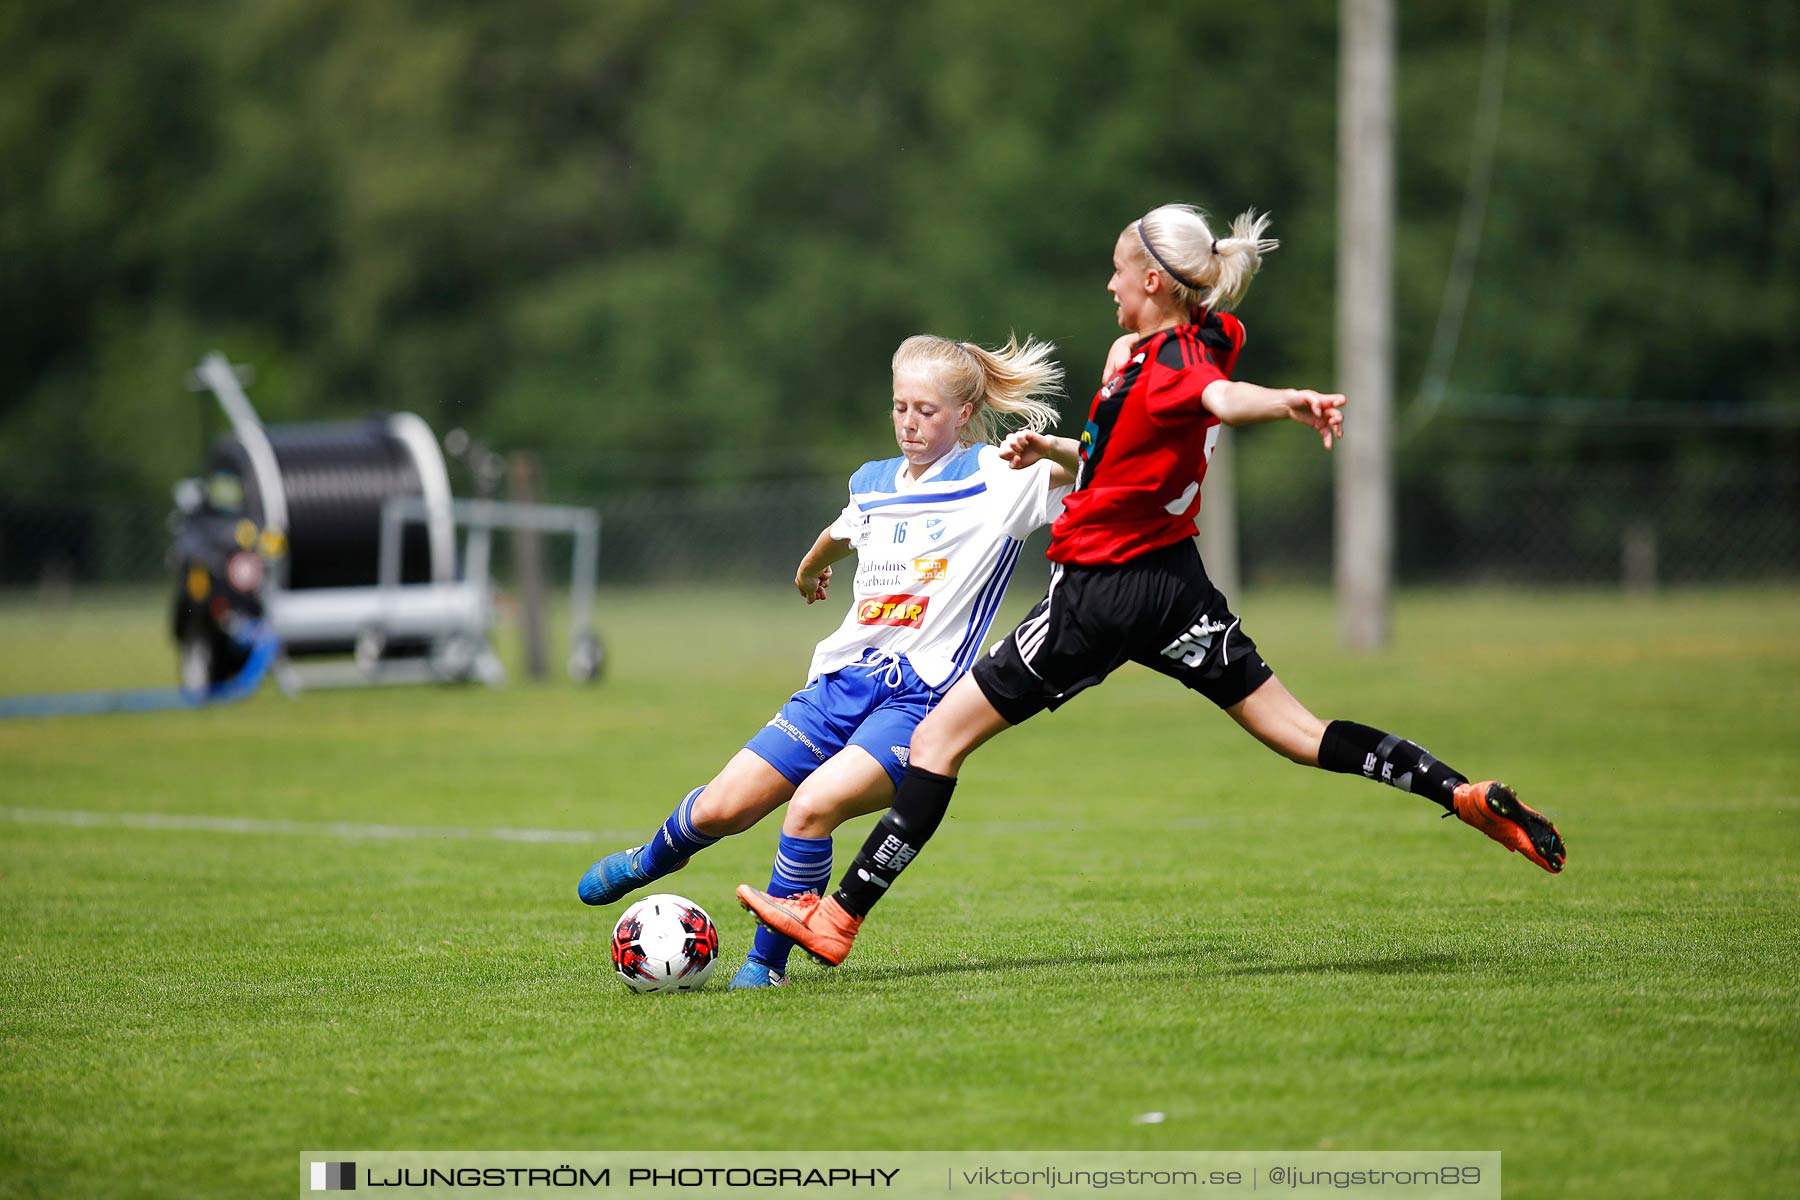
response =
{"points": [[1103, 958], [1399, 964]]}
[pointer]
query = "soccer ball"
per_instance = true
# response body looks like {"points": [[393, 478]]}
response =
{"points": [[665, 943]]}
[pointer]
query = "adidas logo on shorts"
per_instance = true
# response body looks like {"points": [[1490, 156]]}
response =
{"points": [[902, 753]]}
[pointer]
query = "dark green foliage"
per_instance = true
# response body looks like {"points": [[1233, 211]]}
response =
{"points": [[657, 240]]}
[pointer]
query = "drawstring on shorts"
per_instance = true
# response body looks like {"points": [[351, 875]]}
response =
{"points": [[886, 663]]}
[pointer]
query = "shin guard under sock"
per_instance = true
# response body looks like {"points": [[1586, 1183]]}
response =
{"points": [[676, 840], [919, 805], [801, 865], [1353, 749]]}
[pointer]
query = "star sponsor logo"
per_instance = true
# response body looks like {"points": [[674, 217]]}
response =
{"points": [[931, 568], [904, 610]]}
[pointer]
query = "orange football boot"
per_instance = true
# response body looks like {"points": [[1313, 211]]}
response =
{"points": [[820, 927], [1494, 809]]}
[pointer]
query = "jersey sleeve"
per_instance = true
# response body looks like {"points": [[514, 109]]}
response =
{"points": [[1179, 375], [1022, 499], [1226, 340], [844, 527]]}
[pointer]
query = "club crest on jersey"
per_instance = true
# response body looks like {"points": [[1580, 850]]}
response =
{"points": [[931, 568], [935, 528], [908, 611]]}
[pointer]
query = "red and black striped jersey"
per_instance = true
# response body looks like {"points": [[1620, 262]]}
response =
{"points": [[1146, 445]]}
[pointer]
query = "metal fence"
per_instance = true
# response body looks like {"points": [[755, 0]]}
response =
{"points": [[1634, 525], [82, 563], [1637, 526]]}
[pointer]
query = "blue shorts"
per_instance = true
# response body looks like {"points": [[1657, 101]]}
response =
{"points": [[875, 704]]}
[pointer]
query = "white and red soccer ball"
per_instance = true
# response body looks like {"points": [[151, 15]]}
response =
{"points": [[665, 943]]}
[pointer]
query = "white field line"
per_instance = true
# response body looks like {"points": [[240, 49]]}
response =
{"points": [[338, 829], [354, 831]]}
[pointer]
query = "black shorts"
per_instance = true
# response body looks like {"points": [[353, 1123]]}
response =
{"points": [[1159, 609]]}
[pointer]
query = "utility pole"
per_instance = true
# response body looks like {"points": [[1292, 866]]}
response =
{"points": [[1219, 521], [528, 564], [1365, 344]]}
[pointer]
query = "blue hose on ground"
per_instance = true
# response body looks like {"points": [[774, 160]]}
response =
{"points": [[263, 647]]}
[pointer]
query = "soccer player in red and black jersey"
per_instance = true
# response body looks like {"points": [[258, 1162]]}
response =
{"points": [[1127, 583]]}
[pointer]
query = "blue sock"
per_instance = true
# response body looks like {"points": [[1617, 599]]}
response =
{"points": [[801, 865], [676, 840]]}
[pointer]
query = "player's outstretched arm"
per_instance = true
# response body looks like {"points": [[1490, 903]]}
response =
{"points": [[813, 575], [1236, 402], [1023, 448]]}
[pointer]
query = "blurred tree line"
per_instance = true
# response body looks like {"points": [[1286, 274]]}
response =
{"points": [[681, 240]]}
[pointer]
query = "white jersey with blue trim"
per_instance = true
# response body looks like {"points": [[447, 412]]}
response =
{"points": [[933, 557]]}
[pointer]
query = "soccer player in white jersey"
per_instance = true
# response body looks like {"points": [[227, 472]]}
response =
{"points": [[936, 533]]}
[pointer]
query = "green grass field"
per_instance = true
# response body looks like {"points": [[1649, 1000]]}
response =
{"points": [[1132, 908]]}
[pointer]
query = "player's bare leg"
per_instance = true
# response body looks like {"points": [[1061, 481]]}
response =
{"points": [[1274, 717], [745, 792], [961, 724], [1279, 721], [825, 928], [850, 784]]}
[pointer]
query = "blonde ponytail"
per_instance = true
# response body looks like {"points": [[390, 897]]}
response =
{"points": [[1204, 271], [1006, 386]]}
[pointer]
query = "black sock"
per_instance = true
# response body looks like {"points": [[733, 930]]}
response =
{"points": [[1353, 749], [919, 804]]}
